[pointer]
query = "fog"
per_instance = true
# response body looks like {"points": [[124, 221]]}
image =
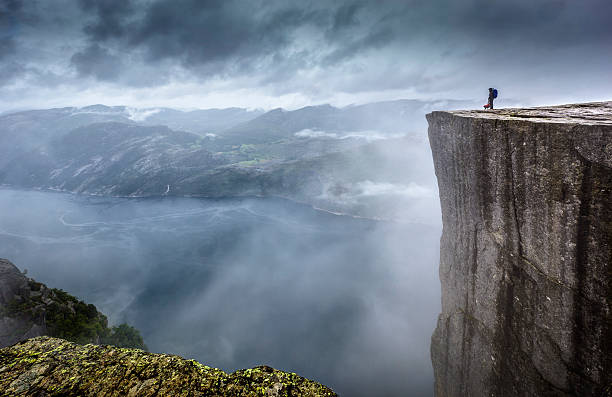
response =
{"points": [[337, 281], [235, 283], [368, 136]]}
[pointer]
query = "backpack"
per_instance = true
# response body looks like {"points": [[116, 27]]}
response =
{"points": [[494, 92]]}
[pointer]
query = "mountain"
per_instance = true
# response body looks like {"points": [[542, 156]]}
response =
{"points": [[200, 121], [113, 159], [21, 132], [391, 117], [29, 309], [351, 159]]}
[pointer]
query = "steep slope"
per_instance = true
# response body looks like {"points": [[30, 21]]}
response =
{"points": [[526, 251], [29, 309], [21, 132], [53, 367], [113, 159]]}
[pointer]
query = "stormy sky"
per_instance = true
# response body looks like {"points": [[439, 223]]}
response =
{"points": [[269, 53]]}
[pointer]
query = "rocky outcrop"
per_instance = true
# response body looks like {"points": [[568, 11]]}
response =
{"points": [[53, 367], [526, 251], [16, 289], [29, 309]]}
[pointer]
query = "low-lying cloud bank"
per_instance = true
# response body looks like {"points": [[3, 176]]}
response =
{"points": [[368, 136]]}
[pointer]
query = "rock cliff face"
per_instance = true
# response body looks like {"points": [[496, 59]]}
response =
{"points": [[29, 309], [14, 290], [46, 366], [526, 251]]}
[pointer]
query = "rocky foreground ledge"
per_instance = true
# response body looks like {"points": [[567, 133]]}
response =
{"points": [[47, 366]]}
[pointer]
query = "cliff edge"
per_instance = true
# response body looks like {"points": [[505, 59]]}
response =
{"points": [[46, 366], [526, 251]]}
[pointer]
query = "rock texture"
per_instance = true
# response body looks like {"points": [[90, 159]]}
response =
{"points": [[16, 289], [29, 309], [53, 367], [526, 251]]}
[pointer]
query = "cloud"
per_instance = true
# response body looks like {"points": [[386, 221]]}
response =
{"points": [[141, 114], [9, 71], [368, 136], [110, 18], [97, 62], [316, 51], [412, 190], [308, 133], [9, 9]]}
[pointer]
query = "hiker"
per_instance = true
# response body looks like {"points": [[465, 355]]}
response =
{"points": [[492, 96]]}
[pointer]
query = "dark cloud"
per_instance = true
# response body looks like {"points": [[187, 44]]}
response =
{"points": [[208, 32], [203, 32], [111, 17], [97, 62], [308, 48], [8, 26], [346, 15], [10, 71]]}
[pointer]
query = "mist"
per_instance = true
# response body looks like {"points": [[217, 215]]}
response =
{"points": [[235, 283], [329, 272]]}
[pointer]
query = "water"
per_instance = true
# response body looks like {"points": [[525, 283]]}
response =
{"points": [[235, 283]]}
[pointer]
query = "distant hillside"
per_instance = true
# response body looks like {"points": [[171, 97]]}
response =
{"points": [[29, 309], [201, 121], [401, 116], [23, 131], [113, 159], [354, 159]]}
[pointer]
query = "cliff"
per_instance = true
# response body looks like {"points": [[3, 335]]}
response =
{"points": [[54, 367], [526, 251], [29, 309]]}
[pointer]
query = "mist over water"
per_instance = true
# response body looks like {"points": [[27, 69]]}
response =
{"points": [[236, 283]]}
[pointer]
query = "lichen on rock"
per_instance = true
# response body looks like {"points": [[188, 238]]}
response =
{"points": [[45, 366]]}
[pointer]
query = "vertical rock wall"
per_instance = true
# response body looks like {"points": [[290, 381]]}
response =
{"points": [[526, 251]]}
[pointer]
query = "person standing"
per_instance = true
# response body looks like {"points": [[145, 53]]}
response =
{"points": [[492, 96]]}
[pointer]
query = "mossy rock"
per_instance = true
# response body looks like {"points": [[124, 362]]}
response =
{"points": [[47, 366]]}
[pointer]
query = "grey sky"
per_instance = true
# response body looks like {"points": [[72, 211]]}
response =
{"points": [[269, 53]]}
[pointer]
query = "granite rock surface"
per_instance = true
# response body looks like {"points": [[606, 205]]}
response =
{"points": [[526, 251]]}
